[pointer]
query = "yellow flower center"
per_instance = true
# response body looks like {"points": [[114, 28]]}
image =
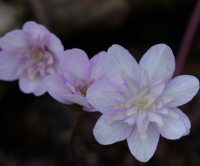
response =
{"points": [[83, 90], [141, 103]]}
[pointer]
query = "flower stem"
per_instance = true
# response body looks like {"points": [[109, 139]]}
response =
{"points": [[188, 37], [74, 133]]}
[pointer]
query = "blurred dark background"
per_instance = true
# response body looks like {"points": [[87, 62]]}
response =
{"points": [[36, 131]]}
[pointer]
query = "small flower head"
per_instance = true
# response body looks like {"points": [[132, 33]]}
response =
{"points": [[139, 101], [77, 74], [29, 55]]}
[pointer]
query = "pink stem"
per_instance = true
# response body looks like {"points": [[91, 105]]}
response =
{"points": [[187, 39]]}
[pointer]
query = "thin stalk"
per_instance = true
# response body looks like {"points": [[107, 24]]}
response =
{"points": [[74, 133], [188, 38]]}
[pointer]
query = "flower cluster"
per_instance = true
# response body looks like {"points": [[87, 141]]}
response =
{"points": [[138, 101]]}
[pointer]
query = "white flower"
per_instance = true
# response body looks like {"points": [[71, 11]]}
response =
{"points": [[139, 101]]}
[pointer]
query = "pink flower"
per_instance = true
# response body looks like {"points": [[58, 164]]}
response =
{"points": [[29, 55], [139, 101], [78, 73]]}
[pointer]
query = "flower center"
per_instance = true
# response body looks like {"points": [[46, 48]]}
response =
{"points": [[83, 90], [82, 87], [141, 103], [40, 62], [37, 55]]}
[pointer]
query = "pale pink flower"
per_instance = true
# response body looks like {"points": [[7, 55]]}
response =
{"points": [[139, 101], [77, 74], [29, 55]]}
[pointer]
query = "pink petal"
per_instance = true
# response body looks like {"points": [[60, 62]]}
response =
{"points": [[9, 66], [13, 40], [106, 133], [54, 44], [102, 95], [37, 31], [174, 127], [75, 65], [143, 149], [34, 86], [57, 88], [159, 63], [80, 100], [180, 90], [119, 63], [96, 66]]}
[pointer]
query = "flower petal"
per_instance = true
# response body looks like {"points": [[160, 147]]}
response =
{"points": [[96, 66], [54, 45], [106, 133], [143, 149], [103, 96], [174, 127], [75, 65], [13, 40], [155, 118], [157, 90], [80, 100], [142, 122], [9, 66], [37, 31], [57, 88], [159, 63], [34, 86], [180, 90], [186, 121], [120, 63]]}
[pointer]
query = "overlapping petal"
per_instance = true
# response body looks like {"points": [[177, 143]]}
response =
{"points": [[56, 87], [37, 31], [96, 66], [174, 126], [143, 149], [120, 63], [159, 63], [103, 96], [54, 45], [180, 90], [34, 86], [78, 99], [109, 133], [8, 66], [75, 65], [184, 119], [12, 41]]}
